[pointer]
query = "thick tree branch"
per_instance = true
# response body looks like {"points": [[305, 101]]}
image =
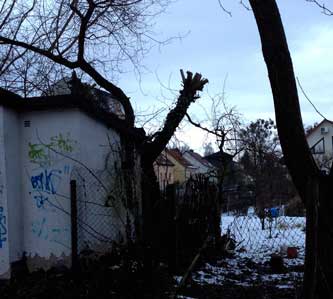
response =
{"points": [[86, 67], [83, 30], [56, 58], [295, 148], [191, 86], [116, 92]]}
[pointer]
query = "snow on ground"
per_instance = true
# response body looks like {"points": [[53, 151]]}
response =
{"points": [[279, 234], [244, 272], [250, 265]]}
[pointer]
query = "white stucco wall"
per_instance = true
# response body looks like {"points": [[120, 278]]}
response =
{"points": [[13, 160], [46, 177], [323, 159], [316, 135], [4, 242], [99, 224], [39, 152]]}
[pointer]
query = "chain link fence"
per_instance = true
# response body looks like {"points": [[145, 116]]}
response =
{"points": [[264, 236], [102, 217]]}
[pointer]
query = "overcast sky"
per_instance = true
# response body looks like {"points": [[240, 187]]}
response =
{"points": [[220, 46]]}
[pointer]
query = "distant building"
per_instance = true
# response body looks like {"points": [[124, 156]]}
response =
{"points": [[164, 170], [183, 169], [320, 140], [202, 166], [172, 167]]}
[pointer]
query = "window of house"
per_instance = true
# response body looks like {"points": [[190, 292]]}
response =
{"points": [[319, 147]]}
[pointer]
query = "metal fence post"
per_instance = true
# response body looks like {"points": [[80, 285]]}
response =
{"points": [[74, 232]]}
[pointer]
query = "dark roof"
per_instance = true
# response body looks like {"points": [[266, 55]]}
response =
{"points": [[6, 94], [219, 158], [46, 102], [163, 161], [200, 159], [89, 106], [177, 155]]}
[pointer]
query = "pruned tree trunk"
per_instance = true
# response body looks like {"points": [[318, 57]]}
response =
{"points": [[150, 150], [314, 188]]}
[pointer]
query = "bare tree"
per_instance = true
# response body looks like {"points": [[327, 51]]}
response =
{"points": [[221, 122], [94, 37], [85, 35]]}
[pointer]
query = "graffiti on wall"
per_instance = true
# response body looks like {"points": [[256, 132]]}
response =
{"points": [[46, 181], [56, 234], [3, 227], [45, 154], [49, 186]]}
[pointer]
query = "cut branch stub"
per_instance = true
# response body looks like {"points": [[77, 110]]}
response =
{"points": [[191, 85]]}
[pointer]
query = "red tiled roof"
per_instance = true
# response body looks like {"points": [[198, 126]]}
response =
{"points": [[177, 155]]}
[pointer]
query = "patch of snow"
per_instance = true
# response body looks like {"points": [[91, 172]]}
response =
{"points": [[254, 247], [258, 244]]}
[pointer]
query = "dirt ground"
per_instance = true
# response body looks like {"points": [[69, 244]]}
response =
{"points": [[115, 276], [239, 278]]}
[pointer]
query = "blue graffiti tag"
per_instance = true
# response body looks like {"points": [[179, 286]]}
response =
{"points": [[46, 181], [40, 200], [39, 229], [46, 232], [3, 227]]}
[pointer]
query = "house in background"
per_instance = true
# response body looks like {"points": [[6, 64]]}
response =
{"points": [[320, 140], [173, 166], [182, 169], [45, 142], [202, 166], [164, 170]]}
